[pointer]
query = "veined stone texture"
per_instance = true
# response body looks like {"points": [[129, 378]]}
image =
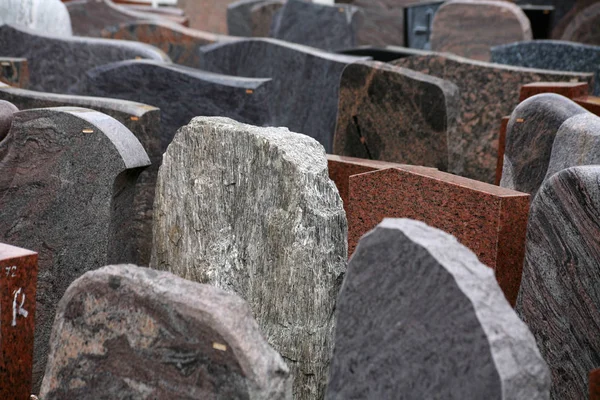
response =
{"points": [[49, 17], [253, 211]]}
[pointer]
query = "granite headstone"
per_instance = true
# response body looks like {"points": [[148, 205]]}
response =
{"points": [[48, 17]]}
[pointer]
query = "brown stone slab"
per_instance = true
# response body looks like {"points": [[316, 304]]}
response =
{"points": [[595, 384], [501, 147], [18, 280], [570, 90], [590, 103], [584, 28], [488, 219], [14, 72]]}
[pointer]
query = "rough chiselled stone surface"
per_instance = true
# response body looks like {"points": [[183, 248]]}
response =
{"points": [[7, 111], [551, 54], [181, 93], [488, 93], [142, 120], [420, 317], [395, 114], [50, 58], [469, 28], [328, 27], [18, 269], [67, 183], [559, 298], [529, 138], [570, 90], [261, 17], [47, 17], [584, 26], [14, 72], [129, 332], [306, 81], [252, 210], [489, 220]]}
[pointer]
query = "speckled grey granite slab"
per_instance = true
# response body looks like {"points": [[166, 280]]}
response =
{"points": [[56, 64], [67, 184], [181, 93], [551, 54], [306, 81], [420, 317], [48, 17], [239, 20]]}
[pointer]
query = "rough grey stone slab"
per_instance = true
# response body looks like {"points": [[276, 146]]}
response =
{"points": [[129, 332], [142, 120], [559, 298], [56, 64], [67, 183], [253, 211], [181, 93], [328, 27], [239, 20], [530, 134], [44, 16], [551, 54], [7, 111], [305, 80], [420, 317]]}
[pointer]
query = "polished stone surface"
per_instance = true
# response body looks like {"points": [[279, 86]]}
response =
{"points": [[47, 17]]}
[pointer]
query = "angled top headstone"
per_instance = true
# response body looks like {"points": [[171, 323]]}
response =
{"points": [[328, 27], [560, 298], [128, 332], [66, 182], [419, 317], [253, 211], [488, 93], [396, 114], [56, 64], [181, 93], [306, 81], [551, 54], [584, 26], [47, 17]]}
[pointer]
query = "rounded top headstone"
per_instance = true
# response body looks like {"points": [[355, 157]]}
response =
{"points": [[7, 111]]}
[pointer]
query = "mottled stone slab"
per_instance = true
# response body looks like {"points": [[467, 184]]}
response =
{"points": [[48, 17], [328, 27], [395, 114], [181, 93], [261, 17], [180, 340], [469, 28], [488, 93], [142, 120], [420, 317], [252, 210], [570, 90], [14, 72], [69, 197], [559, 298], [529, 138], [551, 54], [239, 21], [50, 57], [489, 220], [584, 26], [18, 272], [306, 81]]}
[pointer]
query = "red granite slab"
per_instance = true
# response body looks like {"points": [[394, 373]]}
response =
{"points": [[590, 103], [595, 384], [18, 279], [488, 219], [501, 147], [567, 89]]}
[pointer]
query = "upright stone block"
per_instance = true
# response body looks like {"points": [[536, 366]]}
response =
{"points": [[252, 211], [14, 72], [420, 317], [129, 332], [570, 90], [18, 278], [48, 17]]}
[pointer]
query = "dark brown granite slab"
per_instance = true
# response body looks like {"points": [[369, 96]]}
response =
{"points": [[595, 385], [394, 114], [590, 103], [570, 90], [488, 93], [14, 72], [584, 28]]}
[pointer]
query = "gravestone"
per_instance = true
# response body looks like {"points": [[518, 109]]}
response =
{"points": [[67, 179], [18, 269], [181, 93], [418, 22], [420, 317], [469, 28], [383, 21], [529, 138], [584, 26], [252, 211], [7, 112], [47, 17], [306, 81], [50, 58], [590, 103], [570, 90], [488, 93], [142, 120], [551, 54], [489, 220], [261, 17], [328, 27], [559, 298], [14, 72], [395, 114], [238, 17], [182, 340]]}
